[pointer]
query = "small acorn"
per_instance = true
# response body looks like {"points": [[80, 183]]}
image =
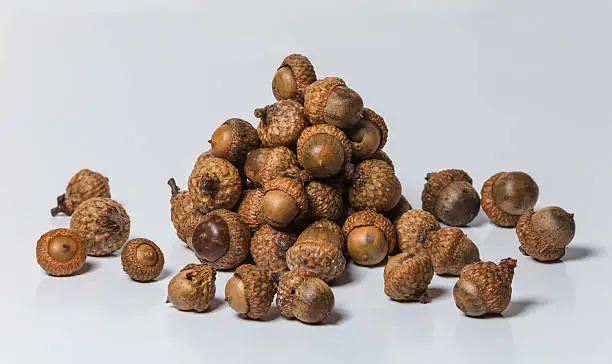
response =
{"points": [[249, 210], [400, 208], [85, 184], [302, 295], [544, 234], [368, 136], [484, 287], [284, 200], [103, 223], [265, 164], [323, 150], [370, 237], [292, 78], [407, 277], [324, 202], [185, 217], [215, 184], [281, 123], [233, 140], [250, 292], [322, 257], [269, 246], [508, 195], [193, 288], [412, 228], [221, 239], [450, 250], [323, 231], [61, 252], [330, 101], [450, 197], [142, 259], [374, 186]]}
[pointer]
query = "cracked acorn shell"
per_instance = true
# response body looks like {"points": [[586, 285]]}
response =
{"points": [[281, 123], [507, 195], [292, 78], [412, 228], [193, 288], [103, 223], [484, 287], [324, 202], [85, 184], [323, 231], [323, 150], [545, 234], [61, 252], [450, 197], [233, 140], [249, 210], [265, 164], [185, 217], [370, 237], [284, 200], [369, 135], [268, 248], [450, 250], [407, 277], [302, 295], [215, 184], [322, 257], [400, 208], [374, 186], [250, 292], [142, 259], [330, 101]]}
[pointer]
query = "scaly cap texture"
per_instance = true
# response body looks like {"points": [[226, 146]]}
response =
{"points": [[55, 267], [201, 278], [136, 270], [408, 277], [492, 281], [288, 284], [324, 129], [258, 289], [496, 215], [450, 250], [374, 186], [438, 181], [245, 138], [316, 95], [369, 114], [412, 228], [269, 246], [303, 71], [322, 258], [371, 218], [293, 188], [215, 184], [249, 210], [324, 202], [281, 123]]}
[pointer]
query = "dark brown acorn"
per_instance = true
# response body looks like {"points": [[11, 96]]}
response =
{"points": [[450, 197]]}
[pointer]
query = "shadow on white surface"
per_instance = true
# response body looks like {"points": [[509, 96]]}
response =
{"points": [[166, 273], [346, 278], [89, 266], [582, 252], [522, 306]]}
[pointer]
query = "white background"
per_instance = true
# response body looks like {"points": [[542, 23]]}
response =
{"points": [[134, 89]]}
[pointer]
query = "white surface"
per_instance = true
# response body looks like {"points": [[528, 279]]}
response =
{"points": [[133, 89]]}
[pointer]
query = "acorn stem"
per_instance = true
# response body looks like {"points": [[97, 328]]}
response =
{"points": [[260, 113], [174, 188], [61, 206], [506, 268]]}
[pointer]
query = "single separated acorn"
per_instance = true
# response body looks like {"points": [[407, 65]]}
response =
{"points": [[484, 287], [330, 101], [450, 250], [85, 184], [508, 195], [250, 291], [323, 150], [284, 200], [292, 78], [450, 197], [185, 217], [142, 259], [249, 209], [233, 140], [265, 164], [302, 295], [281, 123], [193, 288], [61, 252], [369, 135], [215, 184], [412, 228], [544, 234], [324, 201], [407, 277], [269, 246], [370, 237], [374, 186], [103, 223], [323, 231]]}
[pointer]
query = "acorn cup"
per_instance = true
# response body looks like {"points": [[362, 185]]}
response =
{"points": [[374, 186], [269, 247], [508, 195], [324, 201], [265, 164], [185, 217], [330, 101], [323, 150], [407, 277], [370, 237], [249, 210], [412, 228], [250, 292], [61, 252], [292, 78], [85, 184], [450, 197], [281, 123], [233, 140], [193, 288], [369, 135], [545, 234], [450, 250], [284, 200]]}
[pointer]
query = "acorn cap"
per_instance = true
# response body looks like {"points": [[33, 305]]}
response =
{"points": [[326, 224], [244, 138], [374, 186], [493, 282], [202, 157], [249, 210], [382, 156], [407, 277], [322, 258], [450, 250], [142, 259], [258, 289], [324, 202], [276, 162], [370, 115], [412, 227], [287, 285], [302, 70], [324, 129], [371, 218], [495, 214], [281, 123], [215, 184], [293, 188], [547, 240], [324, 231], [436, 182], [316, 95], [193, 288], [85, 184], [183, 214], [61, 252], [269, 246]]}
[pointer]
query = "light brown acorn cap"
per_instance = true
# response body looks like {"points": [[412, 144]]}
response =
{"points": [[249, 210], [85, 184], [407, 276], [61, 252], [269, 246], [185, 217], [293, 188], [450, 250], [321, 257], [281, 123], [287, 285], [436, 182], [244, 138], [316, 95], [258, 289], [327, 129], [324, 231], [273, 163], [497, 216], [370, 115], [326, 224], [412, 227], [545, 238], [193, 288], [215, 184], [324, 202], [202, 157], [374, 186], [303, 72], [142, 259], [371, 218], [492, 207]]}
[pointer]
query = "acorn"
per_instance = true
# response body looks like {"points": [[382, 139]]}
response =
{"points": [[302, 295], [250, 292], [330, 101], [292, 77], [400, 208], [322, 257], [265, 164], [61, 252], [407, 277], [284, 200], [215, 184], [85, 184], [202, 157], [450, 197], [382, 156], [323, 150], [193, 288], [412, 228], [103, 223], [233, 140], [269, 246], [369, 135], [324, 202], [281, 123], [545, 234], [221, 239], [450, 250], [323, 231], [249, 210], [370, 237], [508, 195], [142, 259], [185, 217], [374, 186], [484, 287]]}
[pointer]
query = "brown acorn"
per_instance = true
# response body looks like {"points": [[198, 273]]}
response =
{"points": [[202, 157], [281, 123], [61, 252], [324, 202], [450, 197], [185, 217], [368, 136], [330, 101], [370, 237], [322, 257], [382, 156], [302, 295], [292, 78], [508, 195], [85, 184], [400, 208], [484, 287], [193, 288], [545, 234], [323, 150], [250, 292], [412, 228], [374, 186], [284, 200], [233, 140], [407, 277], [450, 250], [323, 231], [249, 210], [265, 164], [221, 239], [103, 223], [268, 248], [215, 184], [142, 259]]}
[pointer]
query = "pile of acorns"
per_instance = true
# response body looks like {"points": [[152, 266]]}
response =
{"points": [[296, 197]]}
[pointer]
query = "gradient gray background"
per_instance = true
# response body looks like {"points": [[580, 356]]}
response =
{"points": [[134, 89]]}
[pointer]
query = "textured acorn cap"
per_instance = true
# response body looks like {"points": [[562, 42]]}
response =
{"points": [[324, 202], [412, 228], [249, 210], [303, 72], [545, 234], [322, 258], [85, 184], [374, 186], [269, 246], [382, 156], [287, 285], [61, 252], [142, 259], [436, 182], [258, 289], [407, 277], [244, 138], [215, 184], [491, 208], [327, 129], [266, 164], [450, 250], [316, 95], [400, 208], [324, 231], [293, 188], [281, 123], [370, 115], [103, 223], [193, 288], [371, 218], [202, 157], [185, 217]]}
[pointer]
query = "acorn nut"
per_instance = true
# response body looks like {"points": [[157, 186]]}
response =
{"points": [[450, 197], [508, 195], [265, 164], [374, 186], [215, 184], [193, 288], [185, 217], [292, 78], [233, 140], [324, 202], [250, 292], [407, 277], [450, 250], [281, 123], [85, 184], [268, 248], [302, 295], [61, 252], [323, 150], [370, 237], [369, 135], [330, 101], [284, 200], [412, 228], [544, 234]]}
